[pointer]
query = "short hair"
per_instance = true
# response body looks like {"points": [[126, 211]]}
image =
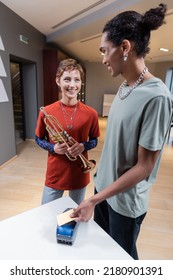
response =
{"points": [[135, 27], [69, 65]]}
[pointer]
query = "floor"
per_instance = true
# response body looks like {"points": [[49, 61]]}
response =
{"points": [[22, 180]]}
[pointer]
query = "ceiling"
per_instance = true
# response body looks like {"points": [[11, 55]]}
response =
{"points": [[76, 25]]}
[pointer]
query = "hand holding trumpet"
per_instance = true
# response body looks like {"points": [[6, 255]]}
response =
{"points": [[75, 150]]}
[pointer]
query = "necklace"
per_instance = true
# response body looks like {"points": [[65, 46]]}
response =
{"points": [[124, 84], [70, 116]]}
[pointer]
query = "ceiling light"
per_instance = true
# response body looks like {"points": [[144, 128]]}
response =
{"points": [[164, 50]]}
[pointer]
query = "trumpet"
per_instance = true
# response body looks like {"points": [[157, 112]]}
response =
{"points": [[59, 135]]}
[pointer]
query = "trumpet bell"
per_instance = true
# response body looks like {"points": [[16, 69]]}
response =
{"points": [[90, 166]]}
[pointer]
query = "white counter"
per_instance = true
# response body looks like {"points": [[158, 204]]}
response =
{"points": [[32, 235]]}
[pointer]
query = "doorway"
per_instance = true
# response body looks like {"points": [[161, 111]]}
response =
{"points": [[25, 98], [18, 101]]}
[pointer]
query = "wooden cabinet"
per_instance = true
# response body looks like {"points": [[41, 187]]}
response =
{"points": [[50, 64], [51, 60]]}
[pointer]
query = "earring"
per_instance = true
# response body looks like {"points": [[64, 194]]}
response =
{"points": [[125, 57]]}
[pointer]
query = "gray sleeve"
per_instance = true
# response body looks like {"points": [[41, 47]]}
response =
{"points": [[155, 124]]}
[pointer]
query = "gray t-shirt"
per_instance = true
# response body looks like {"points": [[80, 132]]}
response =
{"points": [[143, 118]]}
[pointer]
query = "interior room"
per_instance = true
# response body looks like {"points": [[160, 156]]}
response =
{"points": [[34, 38]]}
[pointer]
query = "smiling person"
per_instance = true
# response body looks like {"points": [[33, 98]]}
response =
{"points": [[138, 123], [81, 123]]}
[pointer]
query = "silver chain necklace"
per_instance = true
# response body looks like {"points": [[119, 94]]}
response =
{"points": [[124, 84], [71, 116]]}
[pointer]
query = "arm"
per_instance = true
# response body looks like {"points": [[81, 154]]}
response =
{"points": [[78, 148], [91, 144], [140, 171], [51, 147], [43, 143]]}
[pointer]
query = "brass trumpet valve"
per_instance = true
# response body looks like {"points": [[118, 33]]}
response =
{"points": [[65, 135], [56, 138]]}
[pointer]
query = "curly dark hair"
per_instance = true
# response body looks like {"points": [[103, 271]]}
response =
{"points": [[135, 27]]}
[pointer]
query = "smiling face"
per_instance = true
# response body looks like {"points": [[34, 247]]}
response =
{"points": [[112, 56], [70, 83]]}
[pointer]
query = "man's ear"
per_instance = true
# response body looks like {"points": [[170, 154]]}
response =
{"points": [[126, 46]]}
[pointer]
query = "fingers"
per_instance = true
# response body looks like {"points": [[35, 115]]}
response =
{"points": [[60, 148], [76, 215], [76, 149], [79, 215], [76, 218], [72, 140], [73, 214]]}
